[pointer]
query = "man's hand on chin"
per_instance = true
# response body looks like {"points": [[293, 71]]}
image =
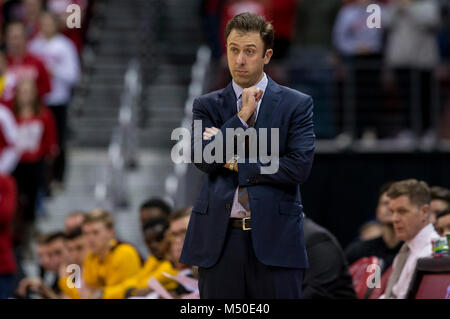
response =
{"points": [[250, 100]]}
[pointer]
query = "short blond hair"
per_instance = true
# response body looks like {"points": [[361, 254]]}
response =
{"points": [[418, 192], [99, 215], [183, 212]]}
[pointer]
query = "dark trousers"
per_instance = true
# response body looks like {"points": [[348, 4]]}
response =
{"points": [[367, 92], [28, 177], [415, 86], [6, 286], [59, 165], [239, 275]]}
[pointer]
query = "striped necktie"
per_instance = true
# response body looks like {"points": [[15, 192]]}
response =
{"points": [[402, 256], [243, 198]]}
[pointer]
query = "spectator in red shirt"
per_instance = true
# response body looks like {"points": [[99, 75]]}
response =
{"points": [[26, 11], [7, 82], [59, 7], [8, 201], [23, 64], [36, 142], [8, 138], [60, 56], [284, 16], [32, 10]]}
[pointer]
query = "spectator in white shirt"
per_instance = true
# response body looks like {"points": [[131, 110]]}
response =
{"points": [[409, 202], [61, 59], [412, 52], [9, 155], [360, 48], [63, 9]]}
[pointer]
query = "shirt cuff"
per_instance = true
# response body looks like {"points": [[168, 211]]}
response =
{"points": [[243, 122]]}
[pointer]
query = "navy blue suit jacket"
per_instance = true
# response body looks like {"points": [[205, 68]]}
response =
{"points": [[275, 202]]}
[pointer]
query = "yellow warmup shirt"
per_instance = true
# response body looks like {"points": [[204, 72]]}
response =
{"points": [[72, 293], [2, 83], [120, 263], [152, 268]]}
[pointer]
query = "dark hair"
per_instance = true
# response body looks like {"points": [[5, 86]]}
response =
{"points": [[248, 22], [418, 192], [384, 188], [74, 234], [440, 193], [443, 213], [55, 236], [157, 203], [42, 239]]}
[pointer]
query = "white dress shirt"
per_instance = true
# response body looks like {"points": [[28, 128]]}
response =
{"points": [[237, 211], [420, 247], [9, 155], [61, 59]]}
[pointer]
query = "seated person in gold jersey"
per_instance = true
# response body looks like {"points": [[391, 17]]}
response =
{"points": [[155, 266], [71, 282], [174, 238], [108, 262]]}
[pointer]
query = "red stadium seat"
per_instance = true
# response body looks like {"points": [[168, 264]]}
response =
{"points": [[377, 292], [360, 274], [431, 279]]}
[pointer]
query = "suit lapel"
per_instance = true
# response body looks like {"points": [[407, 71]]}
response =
{"points": [[229, 108], [269, 104], [268, 107]]}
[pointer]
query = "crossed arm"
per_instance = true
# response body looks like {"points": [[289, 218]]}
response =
{"points": [[294, 165]]}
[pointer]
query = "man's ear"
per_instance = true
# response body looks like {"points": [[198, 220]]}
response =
{"points": [[425, 212], [267, 56]]}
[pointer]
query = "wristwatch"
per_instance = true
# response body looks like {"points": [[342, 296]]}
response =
{"points": [[232, 163], [235, 159]]}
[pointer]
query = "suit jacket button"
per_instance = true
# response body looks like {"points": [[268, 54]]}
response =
{"points": [[228, 206]]}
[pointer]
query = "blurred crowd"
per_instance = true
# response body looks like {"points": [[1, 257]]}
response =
{"points": [[87, 260], [381, 239], [370, 83], [318, 45], [39, 69]]}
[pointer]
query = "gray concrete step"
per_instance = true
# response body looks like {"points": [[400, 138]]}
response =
{"points": [[86, 168]]}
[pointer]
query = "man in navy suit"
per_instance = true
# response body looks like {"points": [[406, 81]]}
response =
{"points": [[246, 228]]}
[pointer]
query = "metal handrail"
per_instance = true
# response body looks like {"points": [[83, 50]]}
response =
{"points": [[176, 182], [321, 79], [123, 147]]}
